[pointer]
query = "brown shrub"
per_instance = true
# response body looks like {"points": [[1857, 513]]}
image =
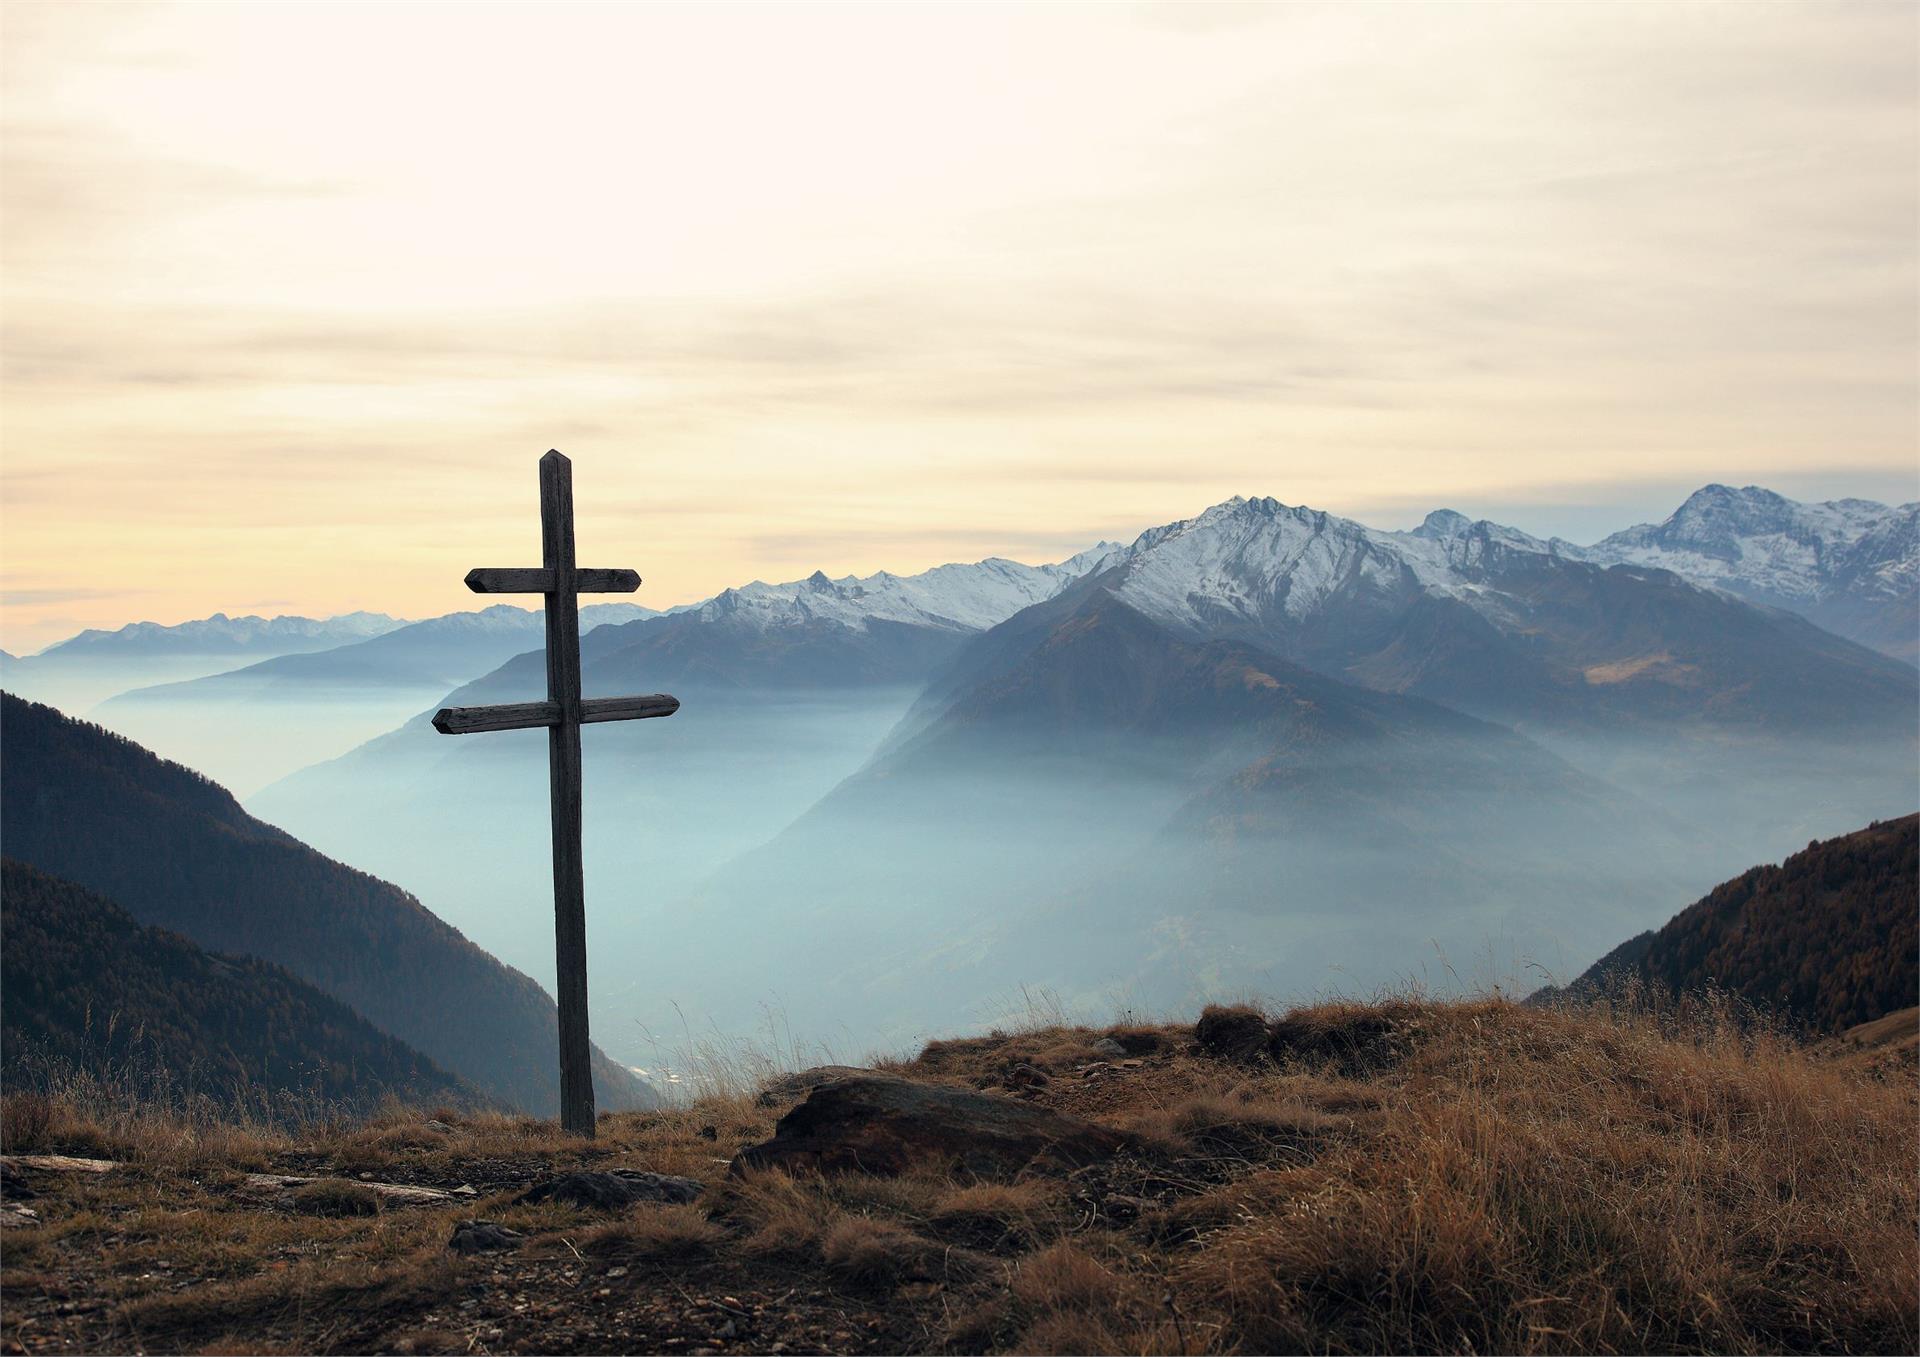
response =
{"points": [[1064, 1277], [1256, 1128], [873, 1251], [335, 1197], [996, 1217], [776, 1214], [1356, 1039], [657, 1233], [1232, 1032], [25, 1121]]}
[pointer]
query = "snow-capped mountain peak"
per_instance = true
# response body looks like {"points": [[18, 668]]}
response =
{"points": [[1443, 524], [1764, 546], [960, 597], [1851, 565], [1257, 563]]}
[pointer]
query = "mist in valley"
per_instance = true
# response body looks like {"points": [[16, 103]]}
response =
{"points": [[838, 871]]}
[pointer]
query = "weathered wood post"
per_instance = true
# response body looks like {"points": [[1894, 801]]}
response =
{"points": [[562, 714]]}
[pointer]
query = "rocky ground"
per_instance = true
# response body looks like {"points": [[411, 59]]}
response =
{"points": [[1387, 1178]]}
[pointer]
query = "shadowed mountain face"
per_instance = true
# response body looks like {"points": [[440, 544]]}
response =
{"points": [[1828, 938], [177, 852], [88, 988], [1108, 810]]}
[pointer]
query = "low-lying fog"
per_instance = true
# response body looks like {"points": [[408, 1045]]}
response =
{"points": [[746, 868]]}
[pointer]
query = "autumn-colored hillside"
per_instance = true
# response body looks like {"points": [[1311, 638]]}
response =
{"points": [[1829, 938]]}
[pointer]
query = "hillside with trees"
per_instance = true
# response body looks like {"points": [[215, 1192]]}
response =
{"points": [[85, 988], [177, 851], [1826, 939]]}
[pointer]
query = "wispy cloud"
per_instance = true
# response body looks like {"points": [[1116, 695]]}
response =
{"points": [[865, 288]]}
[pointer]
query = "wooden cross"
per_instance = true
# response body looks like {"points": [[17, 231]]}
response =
{"points": [[562, 714]]}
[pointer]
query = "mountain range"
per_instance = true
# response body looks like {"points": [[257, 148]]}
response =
{"points": [[84, 669], [1233, 751], [177, 852]]}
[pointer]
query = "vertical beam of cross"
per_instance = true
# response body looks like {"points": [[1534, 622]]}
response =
{"points": [[563, 775], [563, 713]]}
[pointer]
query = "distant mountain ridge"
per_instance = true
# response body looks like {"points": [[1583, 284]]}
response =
{"points": [[178, 852], [84, 986], [1829, 937], [1491, 621], [812, 633], [221, 634], [1850, 565]]}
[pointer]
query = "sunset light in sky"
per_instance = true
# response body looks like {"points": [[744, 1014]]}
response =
{"points": [[294, 296]]}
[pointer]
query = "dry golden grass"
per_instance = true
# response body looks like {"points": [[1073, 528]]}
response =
{"points": [[866, 1249], [1402, 1177], [660, 1233]]}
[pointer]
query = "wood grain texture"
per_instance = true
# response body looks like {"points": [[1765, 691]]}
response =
{"points": [[640, 708], [502, 579], [527, 715], [506, 579], [563, 768], [501, 716]]}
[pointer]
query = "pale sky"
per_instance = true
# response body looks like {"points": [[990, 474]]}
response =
{"points": [[293, 297]]}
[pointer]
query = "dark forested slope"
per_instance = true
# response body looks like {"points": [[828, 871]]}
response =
{"points": [[1827, 938], [86, 986], [177, 851]]}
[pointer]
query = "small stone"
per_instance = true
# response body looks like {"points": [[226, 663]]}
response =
{"points": [[464, 1190], [366, 1177], [1109, 1048], [612, 1191], [616, 1272], [1024, 1075], [484, 1236]]}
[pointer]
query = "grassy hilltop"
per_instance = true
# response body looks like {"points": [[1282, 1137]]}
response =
{"points": [[1406, 1176]]}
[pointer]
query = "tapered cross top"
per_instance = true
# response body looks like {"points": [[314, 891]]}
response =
{"points": [[562, 714]]}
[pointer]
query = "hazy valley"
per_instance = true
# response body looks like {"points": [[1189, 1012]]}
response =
{"points": [[1264, 749]]}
